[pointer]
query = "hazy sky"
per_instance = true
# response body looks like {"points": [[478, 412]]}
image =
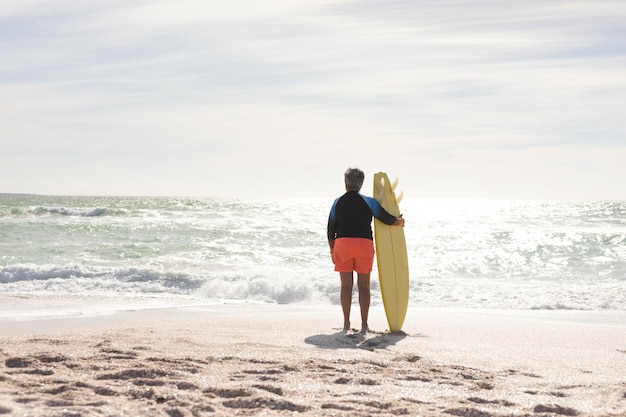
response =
{"points": [[457, 98]]}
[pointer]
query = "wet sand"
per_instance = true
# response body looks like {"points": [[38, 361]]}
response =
{"points": [[286, 360]]}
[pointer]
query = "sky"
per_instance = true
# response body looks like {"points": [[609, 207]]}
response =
{"points": [[256, 98]]}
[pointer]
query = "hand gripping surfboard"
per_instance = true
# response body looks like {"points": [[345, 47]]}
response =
{"points": [[391, 255]]}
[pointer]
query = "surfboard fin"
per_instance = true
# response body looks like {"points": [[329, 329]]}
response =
{"points": [[394, 184], [380, 190], [399, 197]]}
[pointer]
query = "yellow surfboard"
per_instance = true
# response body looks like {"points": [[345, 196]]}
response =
{"points": [[391, 256]]}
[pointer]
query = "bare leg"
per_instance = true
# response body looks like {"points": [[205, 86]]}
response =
{"points": [[346, 297], [363, 282]]}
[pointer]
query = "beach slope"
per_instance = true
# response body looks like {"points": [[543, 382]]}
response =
{"points": [[293, 359]]}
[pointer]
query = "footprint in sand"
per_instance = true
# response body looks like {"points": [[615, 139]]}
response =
{"points": [[23, 365], [478, 400], [116, 354], [186, 386], [264, 403], [18, 363], [269, 388], [340, 407], [228, 393], [144, 373], [556, 409], [464, 412]]}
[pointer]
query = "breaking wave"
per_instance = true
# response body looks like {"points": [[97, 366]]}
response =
{"points": [[62, 211]]}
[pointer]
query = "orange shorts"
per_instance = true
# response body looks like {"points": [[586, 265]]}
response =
{"points": [[353, 254]]}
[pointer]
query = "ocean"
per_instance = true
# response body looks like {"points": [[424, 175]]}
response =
{"points": [[107, 253]]}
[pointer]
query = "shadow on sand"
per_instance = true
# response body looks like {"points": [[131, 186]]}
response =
{"points": [[349, 340]]}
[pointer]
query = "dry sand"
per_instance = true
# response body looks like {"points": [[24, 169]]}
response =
{"points": [[287, 360]]}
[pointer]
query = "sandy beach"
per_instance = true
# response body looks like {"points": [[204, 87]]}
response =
{"points": [[294, 359]]}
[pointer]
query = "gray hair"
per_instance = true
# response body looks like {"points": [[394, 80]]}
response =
{"points": [[354, 179]]}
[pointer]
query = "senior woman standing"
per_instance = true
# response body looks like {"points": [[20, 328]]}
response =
{"points": [[351, 242]]}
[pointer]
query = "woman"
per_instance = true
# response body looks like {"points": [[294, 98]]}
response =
{"points": [[352, 244]]}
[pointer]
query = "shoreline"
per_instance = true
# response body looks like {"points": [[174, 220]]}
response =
{"points": [[279, 359], [24, 307]]}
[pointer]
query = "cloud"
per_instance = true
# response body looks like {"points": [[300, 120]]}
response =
{"points": [[171, 92]]}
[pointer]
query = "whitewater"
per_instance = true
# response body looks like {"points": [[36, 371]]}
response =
{"points": [[107, 253]]}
